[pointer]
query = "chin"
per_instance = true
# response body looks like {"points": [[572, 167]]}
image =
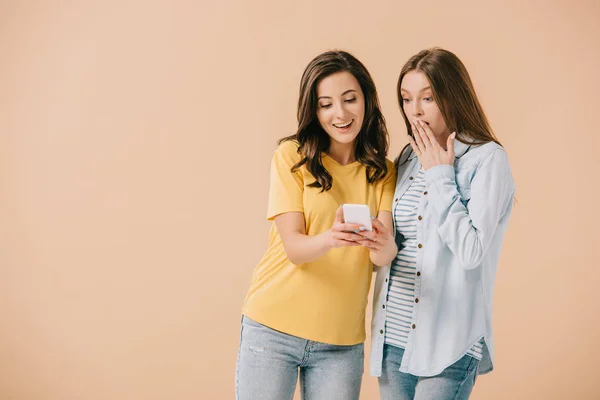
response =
{"points": [[345, 139]]}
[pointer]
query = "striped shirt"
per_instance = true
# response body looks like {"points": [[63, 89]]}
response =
{"points": [[404, 282]]}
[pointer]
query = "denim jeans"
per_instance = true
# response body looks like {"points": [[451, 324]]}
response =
{"points": [[269, 363], [454, 383]]}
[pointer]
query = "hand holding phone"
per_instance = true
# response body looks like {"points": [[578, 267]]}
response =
{"points": [[345, 233], [358, 214]]}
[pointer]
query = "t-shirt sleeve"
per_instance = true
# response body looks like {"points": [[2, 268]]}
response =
{"points": [[389, 188], [286, 187]]}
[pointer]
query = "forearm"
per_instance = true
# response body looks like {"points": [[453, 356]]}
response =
{"points": [[386, 254], [301, 249], [468, 230]]}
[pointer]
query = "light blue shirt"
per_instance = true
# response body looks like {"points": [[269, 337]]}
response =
{"points": [[464, 217]]}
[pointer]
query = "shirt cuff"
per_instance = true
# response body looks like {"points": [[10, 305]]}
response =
{"points": [[440, 172]]}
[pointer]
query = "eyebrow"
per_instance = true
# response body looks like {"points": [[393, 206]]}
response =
{"points": [[422, 90], [343, 94]]}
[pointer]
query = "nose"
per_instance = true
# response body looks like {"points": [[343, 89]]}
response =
{"points": [[417, 110], [341, 112]]}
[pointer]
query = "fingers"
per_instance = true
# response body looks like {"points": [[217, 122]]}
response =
{"points": [[450, 145], [370, 235], [378, 226], [343, 227], [347, 236], [418, 137], [369, 244], [375, 245], [339, 225], [379, 231], [339, 216], [373, 236], [422, 134], [429, 138], [414, 146]]}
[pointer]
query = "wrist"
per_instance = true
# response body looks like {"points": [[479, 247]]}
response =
{"points": [[391, 249], [327, 240]]}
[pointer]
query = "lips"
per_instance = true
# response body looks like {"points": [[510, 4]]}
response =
{"points": [[344, 125]]}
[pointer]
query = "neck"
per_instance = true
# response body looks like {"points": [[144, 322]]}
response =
{"points": [[344, 153]]}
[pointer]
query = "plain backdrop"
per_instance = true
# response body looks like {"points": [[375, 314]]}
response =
{"points": [[135, 144]]}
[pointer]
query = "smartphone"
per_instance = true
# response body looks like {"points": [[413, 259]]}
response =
{"points": [[358, 214]]}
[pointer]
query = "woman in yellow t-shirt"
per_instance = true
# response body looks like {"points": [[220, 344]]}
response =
{"points": [[304, 314]]}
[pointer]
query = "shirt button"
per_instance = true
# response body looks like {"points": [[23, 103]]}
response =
{"points": [[386, 279], [425, 193], [420, 218], [414, 326], [419, 245], [416, 301], [418, 273], [384, 306], [381, 331], [396, 199], [411, 178]]}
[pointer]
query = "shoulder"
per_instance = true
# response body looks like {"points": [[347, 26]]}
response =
{"points": [[288, 147], [489, 159], [287, 152], [477, 154], [487, 149], [391, 167], [390, 175]]}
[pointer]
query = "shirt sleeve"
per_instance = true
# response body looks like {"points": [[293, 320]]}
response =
{"points": [[468, 230], [286, 188], [389, 188]]}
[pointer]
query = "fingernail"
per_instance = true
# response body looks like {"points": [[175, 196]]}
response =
{"points": [[372, 217], [355, 231], [362, 228]]}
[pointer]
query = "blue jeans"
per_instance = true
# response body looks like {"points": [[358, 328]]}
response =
{"points": [[454, 383], [269, 363]]}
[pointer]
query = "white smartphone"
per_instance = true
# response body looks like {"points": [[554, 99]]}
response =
{"points": [[358, 214]]}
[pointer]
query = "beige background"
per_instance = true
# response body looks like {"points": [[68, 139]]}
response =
{"points": [[135, 141]]}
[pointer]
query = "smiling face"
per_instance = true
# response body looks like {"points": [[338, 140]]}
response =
{"points": [[418, 103], [341, 107]]}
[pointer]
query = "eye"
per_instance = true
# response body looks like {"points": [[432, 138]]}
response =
{"points": [[428, 99], [351, 100], [324, 105], [405, 100]]}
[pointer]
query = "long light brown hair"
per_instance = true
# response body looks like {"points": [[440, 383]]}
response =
{"points": [[372, 141], [454, 94]]}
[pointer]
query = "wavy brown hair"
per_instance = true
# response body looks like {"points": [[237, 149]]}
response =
{"points": [[372, 141], [454, 94]]}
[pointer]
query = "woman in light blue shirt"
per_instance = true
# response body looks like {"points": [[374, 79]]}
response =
{"points": [[432, 321]]}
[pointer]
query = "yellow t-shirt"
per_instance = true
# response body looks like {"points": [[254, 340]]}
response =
{"points": [[323, 300]]}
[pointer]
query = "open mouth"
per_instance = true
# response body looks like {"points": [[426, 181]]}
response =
{"points": [[344, 126]]}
